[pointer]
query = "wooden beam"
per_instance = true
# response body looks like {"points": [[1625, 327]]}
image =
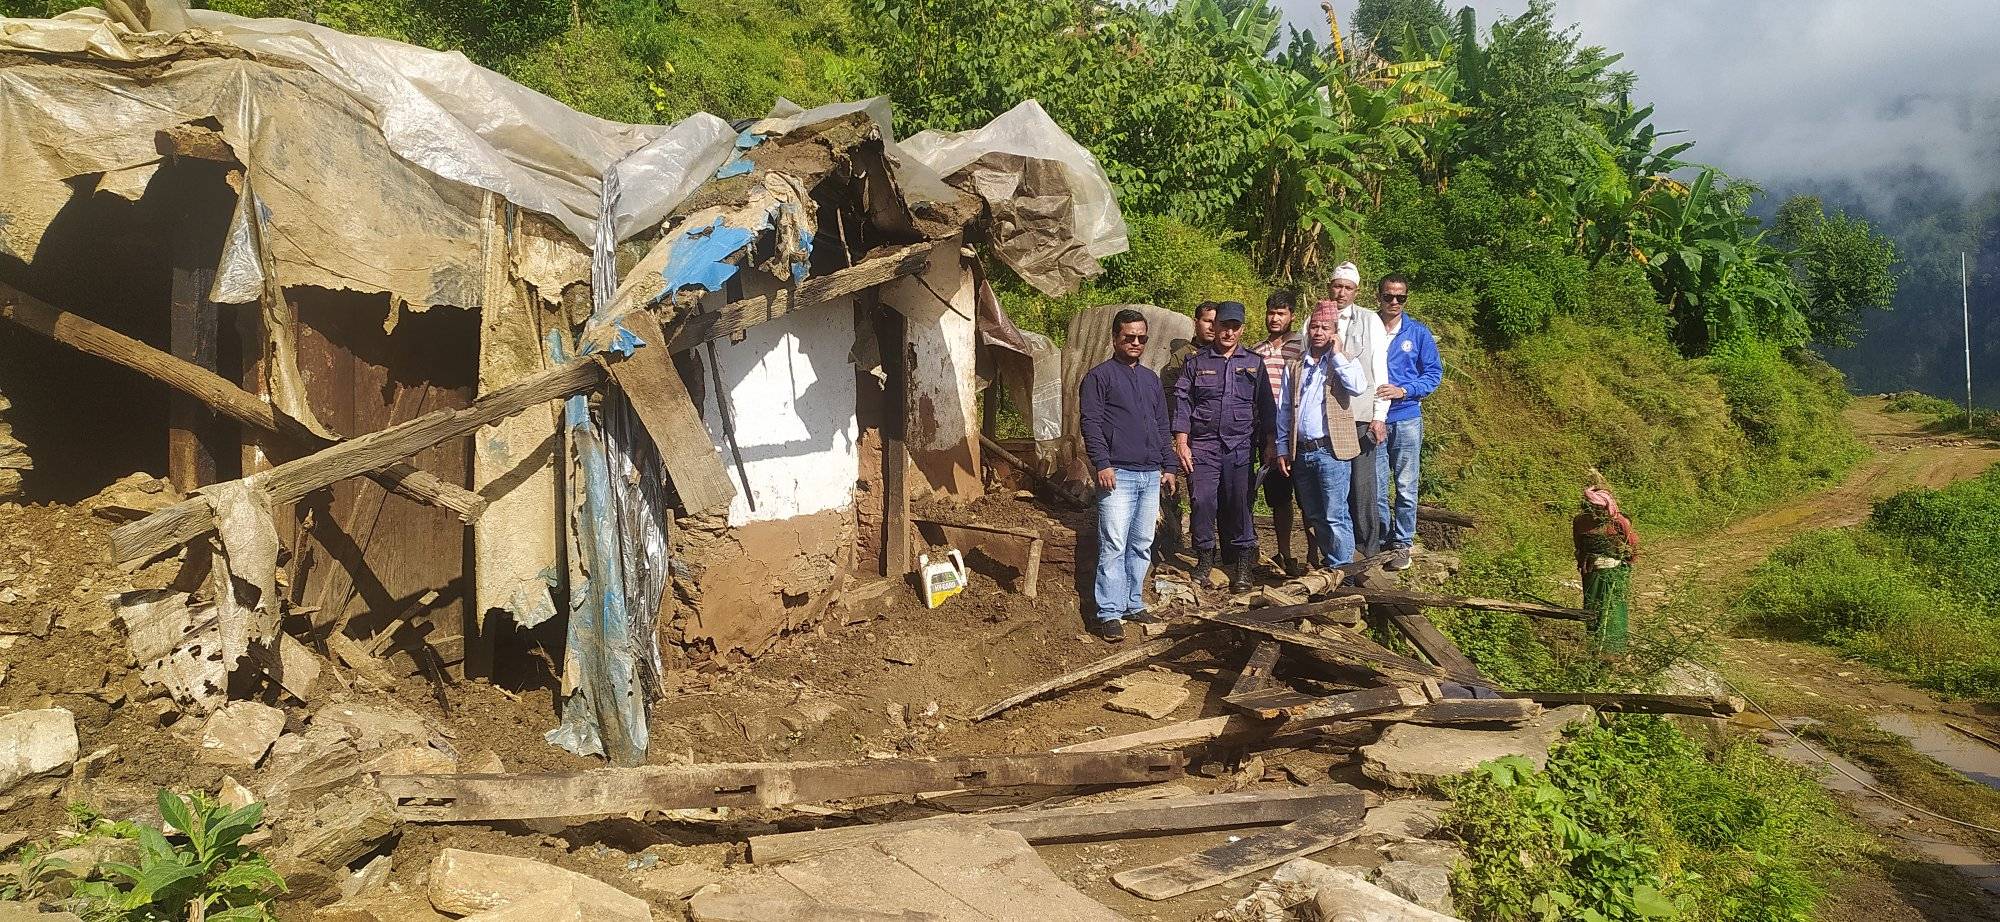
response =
{"points": [[1337, 643], [1349, 705], [661, 400], [1428, 600], [1018, 550], [1246, 855], [1075, 677], [693, 329], [89, 337], [1421, 632], [1445, 517], [892, 340], [1697, 705], [1125, 819], [1460, 711], [292, 480], [456, 798], [1174, 735], [1259, 670], [1343, 609]]}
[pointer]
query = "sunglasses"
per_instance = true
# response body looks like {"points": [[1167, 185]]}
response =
{"points": [[1132, 338], [1395, 299]]}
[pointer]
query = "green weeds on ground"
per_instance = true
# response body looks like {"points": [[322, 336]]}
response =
{"points": [[1634, 821], [1916, 590]]}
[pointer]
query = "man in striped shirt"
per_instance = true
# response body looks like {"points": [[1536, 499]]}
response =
{"points": [[1280, 347]]}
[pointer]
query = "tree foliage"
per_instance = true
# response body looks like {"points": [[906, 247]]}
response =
{"points": [[1841, 265]]}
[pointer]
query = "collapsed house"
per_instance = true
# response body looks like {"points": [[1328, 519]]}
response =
{"points": [[448, 364]]}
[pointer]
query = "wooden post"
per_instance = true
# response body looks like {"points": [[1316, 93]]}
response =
{"points": [[196, 436], [893, 340]]}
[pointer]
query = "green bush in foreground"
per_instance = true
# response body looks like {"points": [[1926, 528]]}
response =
{"points": [[1634, 821]]}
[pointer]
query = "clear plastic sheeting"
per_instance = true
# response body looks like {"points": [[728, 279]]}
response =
{"points": [[1056, 224]]}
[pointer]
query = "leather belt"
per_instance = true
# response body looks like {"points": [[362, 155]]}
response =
{"points": [[1319, 444]]}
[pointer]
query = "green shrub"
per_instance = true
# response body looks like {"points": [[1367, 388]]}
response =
{"points": [[1635, 821], [1922, 403], [1952, 534]]}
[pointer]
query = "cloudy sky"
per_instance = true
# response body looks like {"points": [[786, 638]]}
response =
{"points": [[1787, 92]]}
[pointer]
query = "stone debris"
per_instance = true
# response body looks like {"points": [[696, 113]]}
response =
{"points": [[678, 881], [1302, 888], [35, 744], [412, 760], [476, 884], [240, 733], [131, 498], [1427, 885], [1149, 699], [1411, 819], [381, 906], [1416, 756], [232, 794], [373, 876]]}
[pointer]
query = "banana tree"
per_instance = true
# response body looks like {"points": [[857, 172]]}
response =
{"points": [[1712, 268]]}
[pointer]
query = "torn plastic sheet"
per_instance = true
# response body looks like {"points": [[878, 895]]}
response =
{"points": [[1030, 364], [1077, 198]]}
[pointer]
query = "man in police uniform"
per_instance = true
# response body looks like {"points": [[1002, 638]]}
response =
{"points": [[1220, 404], [1173, 538]]}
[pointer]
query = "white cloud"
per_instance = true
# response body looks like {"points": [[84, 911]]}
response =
{"points": [[1787, 93]]}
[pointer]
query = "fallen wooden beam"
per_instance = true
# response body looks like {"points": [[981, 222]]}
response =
{"points": [[1345, 610], [1016, 549], [1354, 704], [1445, 517], [1696, 705], [1428, 600], [1421, 632], [1126, 819], [1339, 644], [292, 480], [1175, 734], [1461, 711], [660, 399], [1258, 672], [456, 798], [217, 392], [880, 268], [1076, 677], [1246, 855]]}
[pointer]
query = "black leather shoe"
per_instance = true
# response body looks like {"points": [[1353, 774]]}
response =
{"points": [[1204, 563], [1144, 617], [1109, 631]]}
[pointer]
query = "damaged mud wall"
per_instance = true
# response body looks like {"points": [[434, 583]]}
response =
{"points": [[941, 305], [780, 405]]}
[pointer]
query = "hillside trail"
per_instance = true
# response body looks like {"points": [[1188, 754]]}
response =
{"points": [[1713, 567]]}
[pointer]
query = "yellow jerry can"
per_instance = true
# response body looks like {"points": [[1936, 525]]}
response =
{"points": [[943, 579]]}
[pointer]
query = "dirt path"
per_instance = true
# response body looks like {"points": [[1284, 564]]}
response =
{"points": [[1804, 681]]}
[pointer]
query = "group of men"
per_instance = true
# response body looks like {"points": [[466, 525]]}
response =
{"points": [[1323, 420]]}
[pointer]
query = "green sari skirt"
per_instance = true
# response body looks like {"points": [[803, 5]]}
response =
{"points": [[1605, 595]]}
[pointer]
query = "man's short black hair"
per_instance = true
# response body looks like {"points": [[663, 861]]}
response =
{"points": [[1394, 278], [1283, 297], [1205, 307], [1124, 317]]}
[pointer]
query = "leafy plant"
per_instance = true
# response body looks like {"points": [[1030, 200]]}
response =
{"points": [[202, 871]]}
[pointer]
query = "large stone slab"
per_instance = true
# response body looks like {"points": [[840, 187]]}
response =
{"points": [[1417, 756], [35, 743], [1149, 699], [240, 732], [1410, 818], [466, 883]]}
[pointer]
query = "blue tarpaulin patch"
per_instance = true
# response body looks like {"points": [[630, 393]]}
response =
{"points": [[701, 257], [738, 164]]}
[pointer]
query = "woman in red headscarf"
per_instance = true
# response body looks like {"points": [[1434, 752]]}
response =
{"points": [[1605, 549]]}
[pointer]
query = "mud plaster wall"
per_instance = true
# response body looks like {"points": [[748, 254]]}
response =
{"points": [[791, 398], [944, 408], [752, 585]]}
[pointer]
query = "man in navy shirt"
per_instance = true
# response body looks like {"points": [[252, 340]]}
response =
{"points": [[1124, 417], [1414, 372], [1221, 404]]}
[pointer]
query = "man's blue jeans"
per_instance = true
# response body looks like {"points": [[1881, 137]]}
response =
{"points": [[1125, 520], [1406, 446], [1321, 482]]}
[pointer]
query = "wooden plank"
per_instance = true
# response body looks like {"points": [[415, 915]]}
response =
{"points": [[452, 798], [1018, 550], [288, 482], [214, 390], [1258, 672], [1444, 516], [1697, 705], [1174, 735], [893, 342], [1421, 632], [1246, 855], [1345, 609], [1124, 819], [661, 401], [879, 268], [1268, 703], [1075, 677], [1460, 711], [1358, 703], [1429, 600], [202, 203], [1337, 643]]}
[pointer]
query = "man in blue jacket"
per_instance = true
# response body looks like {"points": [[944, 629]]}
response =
{"points": [[1415, 371], [1123, 412]]}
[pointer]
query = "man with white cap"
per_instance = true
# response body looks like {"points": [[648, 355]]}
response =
{"points": [[1363, 337]]}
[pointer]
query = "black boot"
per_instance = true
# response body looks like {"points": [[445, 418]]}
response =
{"points": [[1239, 574], [1204, 564]]}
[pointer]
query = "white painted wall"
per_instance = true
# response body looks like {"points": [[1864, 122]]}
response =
{"points": [[792, 396], [945, 338]]}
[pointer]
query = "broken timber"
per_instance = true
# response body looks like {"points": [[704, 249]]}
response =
{"points": [[1175, 735], [693, 329], [1344, 609], [1341, 645], [1246, 855], [455, 798], [217, 392], [1351, 704], [1696, 705], [1421, 632], [1463, 711], [1164, 816], [1427, 600], [1073, 678], [292, 480]]}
